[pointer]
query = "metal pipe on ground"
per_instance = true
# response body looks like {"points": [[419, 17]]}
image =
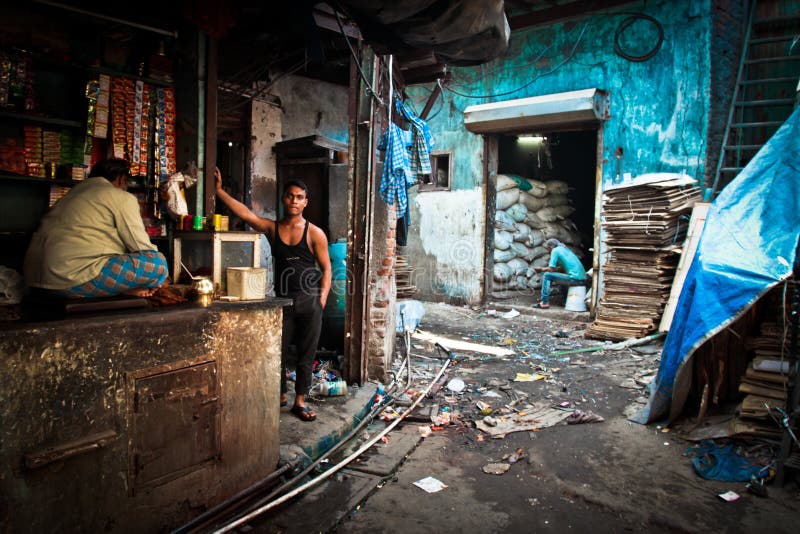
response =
{"points": [[335, 468]]}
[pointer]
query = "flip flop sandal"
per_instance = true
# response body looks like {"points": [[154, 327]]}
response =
{"points": [[304, 413], [539, 305]]}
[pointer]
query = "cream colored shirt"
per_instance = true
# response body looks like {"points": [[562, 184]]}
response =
{"points": [[93, 222]]}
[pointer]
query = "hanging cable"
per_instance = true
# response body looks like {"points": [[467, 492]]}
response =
{"points": [[533, 80], [358, 63], [627, 23]]}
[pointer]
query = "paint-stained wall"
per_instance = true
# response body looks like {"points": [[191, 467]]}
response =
{"points": [[659, 117]]}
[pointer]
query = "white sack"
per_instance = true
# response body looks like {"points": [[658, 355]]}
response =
{"points": [[517, 212], [531, 202], [503, 221], [506, 199], [502, 256], [536, 238], [523, 231], [502, 239], [506, 182], [557, 187], [501, 272], [533, 220], [518, 266], [538, 189]]}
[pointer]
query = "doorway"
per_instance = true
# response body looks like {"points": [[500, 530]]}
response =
{"points": [[546, 187]]}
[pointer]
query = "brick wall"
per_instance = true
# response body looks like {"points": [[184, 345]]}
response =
{"points": [[382, 292], [728, 25]]}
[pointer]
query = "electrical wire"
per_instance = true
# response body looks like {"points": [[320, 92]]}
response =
{"points": [[355, 58], [532, 81], [627, 23]]}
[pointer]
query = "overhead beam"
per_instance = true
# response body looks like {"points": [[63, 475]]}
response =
{"points": [[563, 13], [325, 18]]}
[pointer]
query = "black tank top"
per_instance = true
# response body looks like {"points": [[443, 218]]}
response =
{"points": [[296, 270]]}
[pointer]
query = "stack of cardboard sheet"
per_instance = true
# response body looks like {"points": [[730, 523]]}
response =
{"points": [[765, 383], [645, 224]]}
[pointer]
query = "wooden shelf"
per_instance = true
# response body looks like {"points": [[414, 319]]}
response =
{"points": [[39, 119], [123, 74], [37, 179]]}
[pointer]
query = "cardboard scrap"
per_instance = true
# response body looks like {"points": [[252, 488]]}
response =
{"points": [[540, 415], [454, 344]]}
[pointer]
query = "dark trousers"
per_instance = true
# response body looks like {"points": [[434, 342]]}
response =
{"points": [[302, 324]]}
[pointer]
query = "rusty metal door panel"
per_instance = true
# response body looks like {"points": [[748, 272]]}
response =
{"points": [[175, 422]]}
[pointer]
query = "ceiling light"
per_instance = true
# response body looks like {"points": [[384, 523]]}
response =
{"points": [[531, 138]]}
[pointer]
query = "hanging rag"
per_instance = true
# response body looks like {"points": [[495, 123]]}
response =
{"points": [[421, 141], [396, 177]]}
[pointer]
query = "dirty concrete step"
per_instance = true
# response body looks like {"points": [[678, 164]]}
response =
{"points": [[383, 458], [322, 507]]}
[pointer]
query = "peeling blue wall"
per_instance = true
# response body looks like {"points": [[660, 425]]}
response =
{"points": [[659, 107]]}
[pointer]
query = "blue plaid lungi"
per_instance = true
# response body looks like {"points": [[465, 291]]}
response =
{"points": [[123, 273]]}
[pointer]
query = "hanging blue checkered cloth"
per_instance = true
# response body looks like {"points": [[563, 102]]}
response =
{"points": [[421, 141], [396, 176]]}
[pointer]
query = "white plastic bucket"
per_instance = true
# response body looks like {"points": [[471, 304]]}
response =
{"points": [[576, 296]]}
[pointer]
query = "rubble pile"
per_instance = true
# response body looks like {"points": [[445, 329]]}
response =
{"points": [[528, 213]]}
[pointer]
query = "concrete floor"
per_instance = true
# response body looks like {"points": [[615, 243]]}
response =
{"points": [[614, 476]]}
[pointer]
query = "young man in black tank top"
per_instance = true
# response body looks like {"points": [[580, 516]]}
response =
{"points": [[298, 247]]}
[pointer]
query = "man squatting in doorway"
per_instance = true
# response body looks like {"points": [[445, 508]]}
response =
{"points": [[297, 247], [560, 257]]}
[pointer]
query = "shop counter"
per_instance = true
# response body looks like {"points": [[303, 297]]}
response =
{"points": [[136, 421]]}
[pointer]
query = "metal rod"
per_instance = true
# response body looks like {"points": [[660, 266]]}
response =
{"points": [[100, 16], [337, 467]]}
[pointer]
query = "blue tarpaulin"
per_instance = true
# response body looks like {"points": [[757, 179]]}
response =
{"points": [[747, 246]]}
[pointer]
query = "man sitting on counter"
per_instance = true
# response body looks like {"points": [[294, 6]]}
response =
{"points": [[92, 242]]}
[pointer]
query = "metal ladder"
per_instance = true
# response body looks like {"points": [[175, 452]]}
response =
{"points": [[766, 86]]}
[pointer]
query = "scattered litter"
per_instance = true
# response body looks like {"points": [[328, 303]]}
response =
{"points": [[442, 419], [454, 344], [565, 404], [529, 377], [491, 312], [729, 496], [539, 416], [424, 431], [515, 456], [430, 484], [508, 341], [579, 417], [490, 421], [484, 408], [629, 383], [510, 314], [456, 385], [495, 469], [492, 393]]}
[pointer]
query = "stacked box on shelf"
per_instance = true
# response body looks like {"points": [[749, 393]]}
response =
{"points": [[33, 150], [165, 134], [118, 136], [51, 147]]}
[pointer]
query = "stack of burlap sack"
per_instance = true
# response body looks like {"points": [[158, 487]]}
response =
{"points": [[528, 213]]}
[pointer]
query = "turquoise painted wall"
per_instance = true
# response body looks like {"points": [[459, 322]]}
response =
{"points": [[659, 107]]}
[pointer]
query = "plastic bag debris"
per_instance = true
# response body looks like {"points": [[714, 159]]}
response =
{"points": [[430, 484], [510, 314], [729, 496], [579, 417], [456, 385]]}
